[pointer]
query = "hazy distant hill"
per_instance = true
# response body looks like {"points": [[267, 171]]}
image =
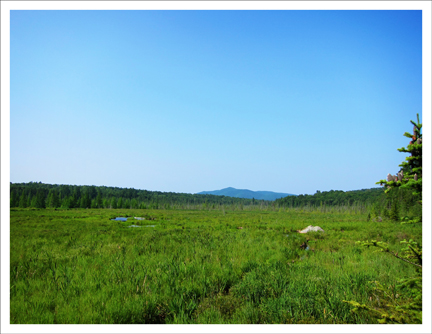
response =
{"points": [[245, 193]]}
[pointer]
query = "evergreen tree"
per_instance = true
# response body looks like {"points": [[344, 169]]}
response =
{"points": [[99, 203], [126, 204], [49, 199], [134, 204], [92, 191], [56, 199], [33, 201], [14, 199], [113, 203], [85, 201], [77, 192], [23, 199], [40, 199], [404, 310], [410, 175], [394, 211], [53, 200], [73, 201], [88, 200], [66, 203]]}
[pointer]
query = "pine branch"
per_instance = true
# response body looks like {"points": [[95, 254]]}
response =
{"points": [[416, 254], [401, 258]]}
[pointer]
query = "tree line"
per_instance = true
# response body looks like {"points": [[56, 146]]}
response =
{"points": [[42, 195], [332, 198], [395, 204]]}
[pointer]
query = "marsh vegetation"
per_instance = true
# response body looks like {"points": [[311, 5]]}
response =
{"points": [[196, 266]]}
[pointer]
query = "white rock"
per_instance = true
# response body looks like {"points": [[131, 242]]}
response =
{"points": [[311, 228]]}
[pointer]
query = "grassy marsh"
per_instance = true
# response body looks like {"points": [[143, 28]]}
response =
{"points": [[197, 266]]}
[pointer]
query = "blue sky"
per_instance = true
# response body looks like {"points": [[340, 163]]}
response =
{"points": [[188, 101]]}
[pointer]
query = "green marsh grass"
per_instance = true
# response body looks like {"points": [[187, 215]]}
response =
{"points": [[196, 266]]}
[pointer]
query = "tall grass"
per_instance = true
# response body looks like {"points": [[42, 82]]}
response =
{"points": [[196, 266]]}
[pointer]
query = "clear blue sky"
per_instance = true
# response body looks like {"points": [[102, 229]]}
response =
{"points": [[187, 101]]}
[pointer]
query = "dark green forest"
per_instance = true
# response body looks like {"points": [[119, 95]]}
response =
{"points": [[42, 195], [333, 197]]}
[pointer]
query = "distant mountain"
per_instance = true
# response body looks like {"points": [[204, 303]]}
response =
{"points": [[245, 193]]}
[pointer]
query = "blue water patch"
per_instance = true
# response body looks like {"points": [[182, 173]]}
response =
{"points": [[142, 226], [123, 219]]}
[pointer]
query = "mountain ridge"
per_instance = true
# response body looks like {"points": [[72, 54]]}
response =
{"points": [[246, 193]]}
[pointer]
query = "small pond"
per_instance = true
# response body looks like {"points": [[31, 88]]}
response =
{"points": [[123, 219], [142, 226]]}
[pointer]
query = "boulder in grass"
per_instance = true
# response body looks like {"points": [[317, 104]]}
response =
{"points": [[311, 228]]}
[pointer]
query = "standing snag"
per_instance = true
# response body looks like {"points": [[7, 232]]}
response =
{"points": [[303, 245]]}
